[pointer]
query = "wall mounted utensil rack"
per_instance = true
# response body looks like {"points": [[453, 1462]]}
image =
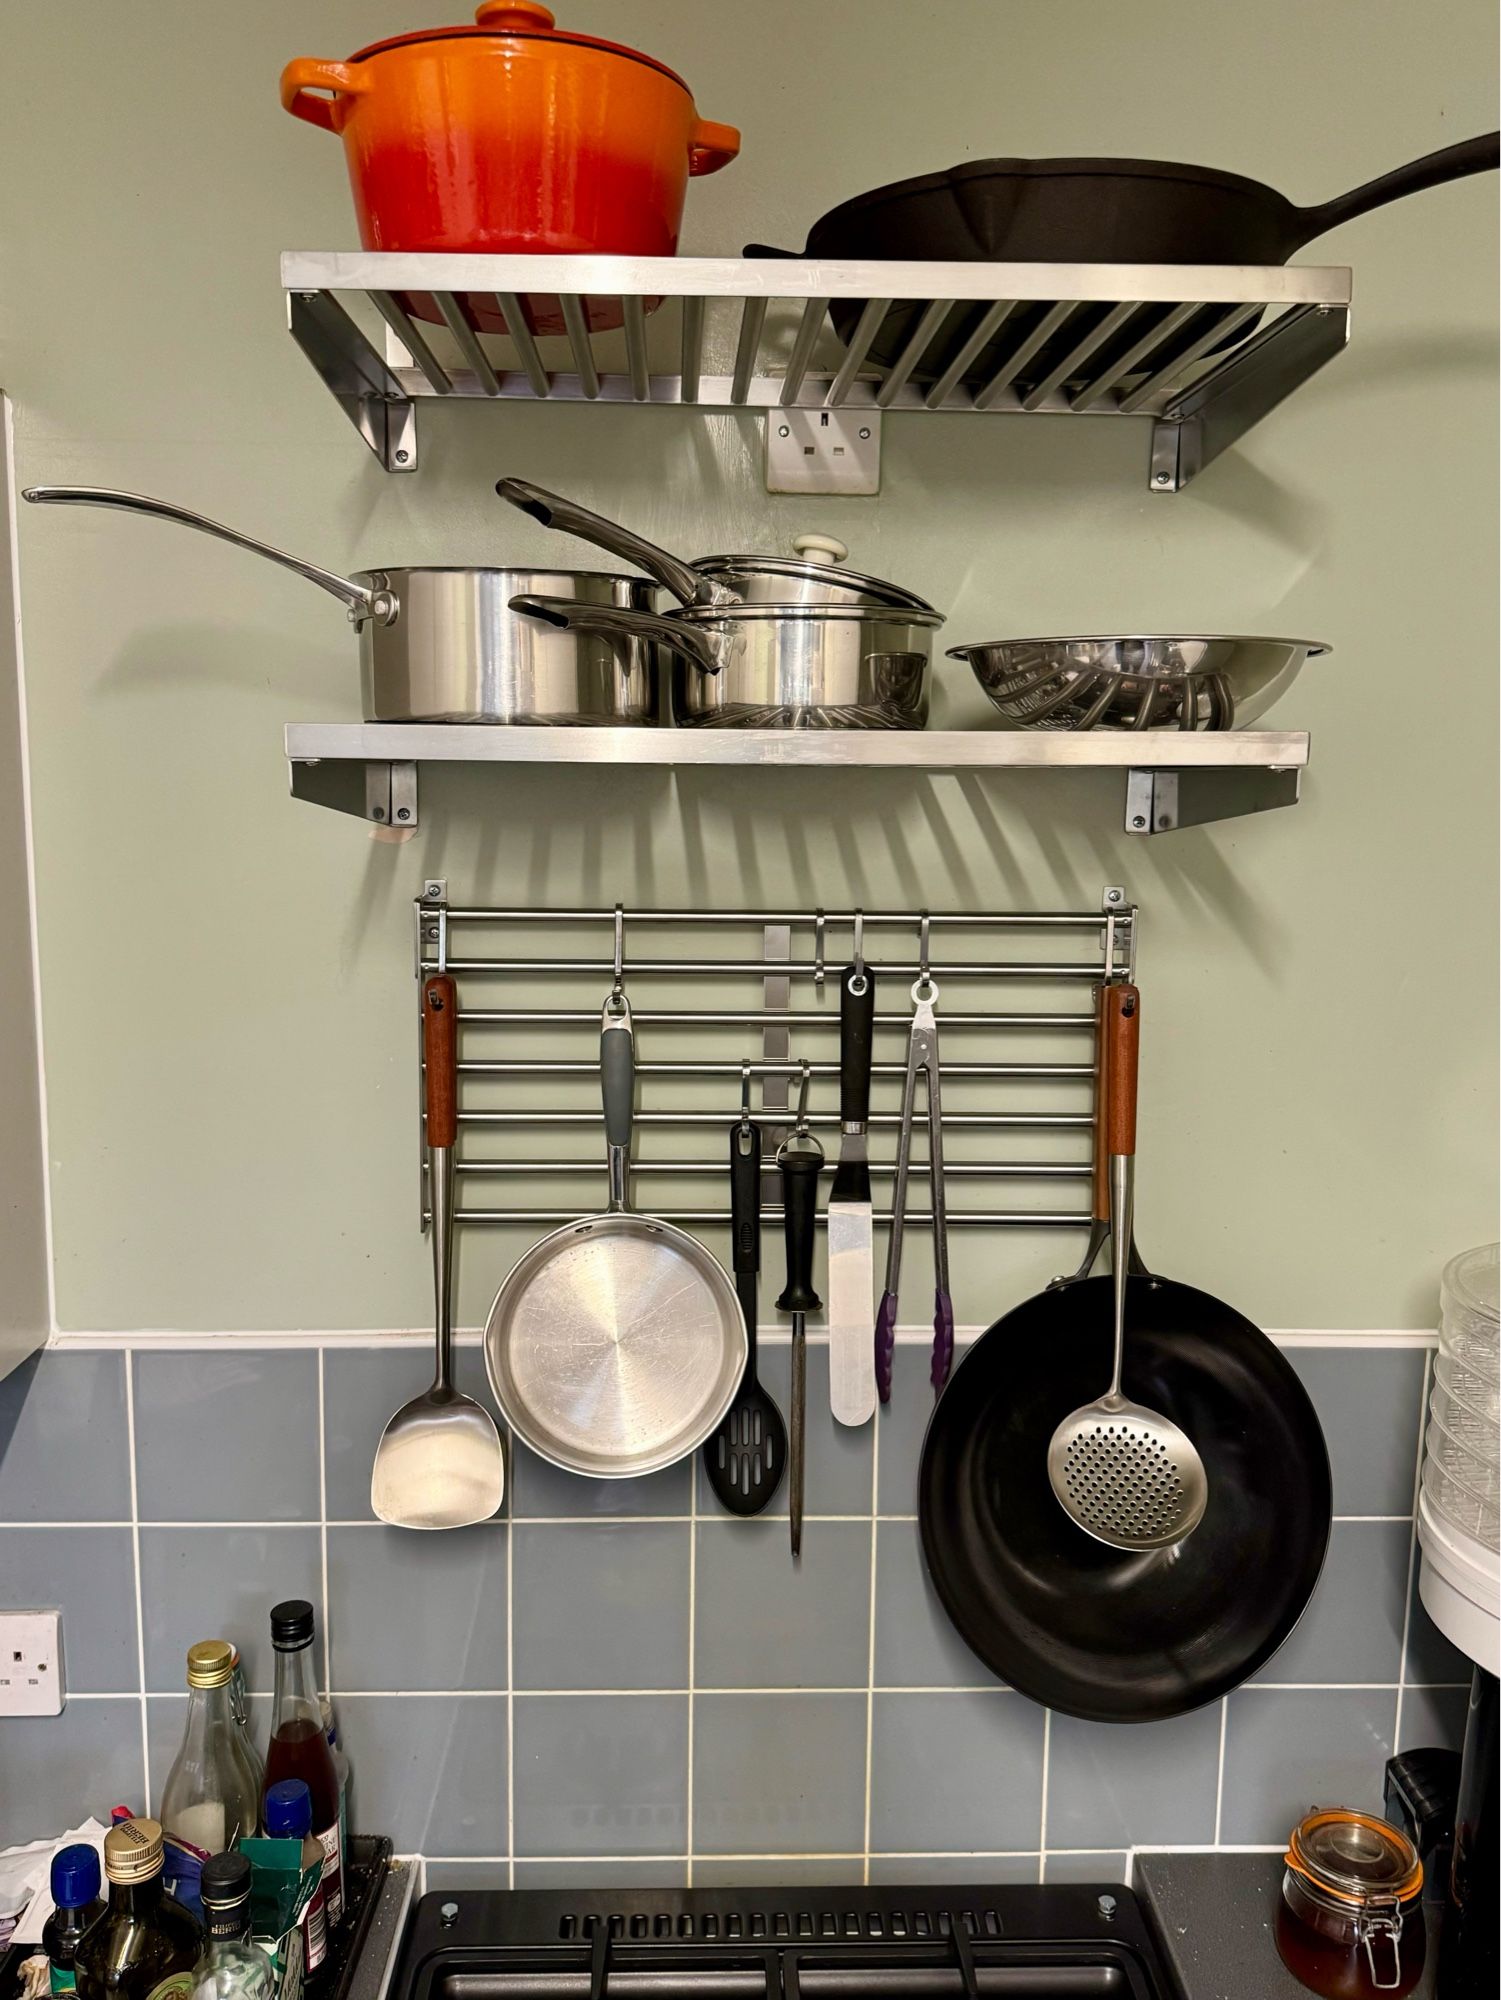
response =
{"points": [[1203, 351], [724, 1000], [1173, 778]]}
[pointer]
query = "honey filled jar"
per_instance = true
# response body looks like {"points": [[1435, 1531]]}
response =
{"points": [[1350, 1923]]}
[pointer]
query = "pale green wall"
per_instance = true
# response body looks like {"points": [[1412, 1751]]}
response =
{"points": [[225, 973]]}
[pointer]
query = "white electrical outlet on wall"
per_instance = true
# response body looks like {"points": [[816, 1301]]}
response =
{"points": [[31, 1663]]}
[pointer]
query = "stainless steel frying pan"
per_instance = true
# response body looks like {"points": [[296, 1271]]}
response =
{"points": [[616, 1344]]}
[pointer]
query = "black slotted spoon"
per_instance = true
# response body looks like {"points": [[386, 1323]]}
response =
{"points": [[746, 1456]]}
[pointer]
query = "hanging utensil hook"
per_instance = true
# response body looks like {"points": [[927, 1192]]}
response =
{"points": [[804, 1079], [818, 943], [616, 1002], [857, 981]]}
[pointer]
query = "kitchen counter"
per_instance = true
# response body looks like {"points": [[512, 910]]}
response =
{"points": [[1214, 1915]]}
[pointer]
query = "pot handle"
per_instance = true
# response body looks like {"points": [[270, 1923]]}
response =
{"points": [[569, 518], [362, 603], [694, 646], [307, 74], [711, 146], [1450, 163]]}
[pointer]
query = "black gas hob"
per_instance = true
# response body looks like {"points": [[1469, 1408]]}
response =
{"points": [[781, 1944]]}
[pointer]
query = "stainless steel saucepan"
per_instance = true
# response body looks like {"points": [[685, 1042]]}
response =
{"points": [[720, 580], [442, 645], [777, 666]]}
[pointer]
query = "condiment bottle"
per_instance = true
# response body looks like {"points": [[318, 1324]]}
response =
{"points": [[77, 1902], [144, 1946], [231, 1967], [1350, 1923], [299, 1748], [239, 1707], [341, 1772], [289, 1816], [210, 1798]]}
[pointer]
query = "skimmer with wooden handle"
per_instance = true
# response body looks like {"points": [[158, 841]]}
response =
{"points": [[1126, 1474], [439, 1463]]}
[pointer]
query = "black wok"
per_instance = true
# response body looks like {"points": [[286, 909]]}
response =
{"points": [[1088, 211], [1082, 1627], [1069, 1620]]}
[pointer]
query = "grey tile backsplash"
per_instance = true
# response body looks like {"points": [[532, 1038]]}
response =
{"points": [[615, 1680]]}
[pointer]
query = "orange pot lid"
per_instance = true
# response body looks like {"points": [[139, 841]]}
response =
{"points": [[516, 20], [1354, 1857]]}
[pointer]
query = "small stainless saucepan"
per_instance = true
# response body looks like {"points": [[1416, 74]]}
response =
{"points": [[715, 581], [442, 645], [777, 666]]}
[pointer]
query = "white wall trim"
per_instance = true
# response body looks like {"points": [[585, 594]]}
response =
{"points": [[775, 1334]]}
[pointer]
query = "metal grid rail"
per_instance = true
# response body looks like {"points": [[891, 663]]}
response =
{"points": [[493, 955], [1177, 343]]}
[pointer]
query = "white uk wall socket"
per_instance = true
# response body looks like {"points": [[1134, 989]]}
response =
{"points": [[31, 1663], [823, 451]]}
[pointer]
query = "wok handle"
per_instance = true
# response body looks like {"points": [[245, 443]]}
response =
{"points": [[1122, 1034], [694, 646], [362, 603], [1101, 1091], [569, 518], [1450, 163], [440, 1045]]}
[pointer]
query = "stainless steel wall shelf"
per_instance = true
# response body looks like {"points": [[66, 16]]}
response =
{"points": [[1173, 779], [1203, 351]]}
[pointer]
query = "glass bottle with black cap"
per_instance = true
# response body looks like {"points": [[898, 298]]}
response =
{"points": [[231, 1968], [299, 1748]]}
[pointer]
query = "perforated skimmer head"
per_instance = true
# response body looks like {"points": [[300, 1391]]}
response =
{"points": [[1127, 1475]]}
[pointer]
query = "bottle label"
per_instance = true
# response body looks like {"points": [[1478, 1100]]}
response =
{"points": [[333, 1875], [175, 1988], [314, 1934], [61, 1980]]}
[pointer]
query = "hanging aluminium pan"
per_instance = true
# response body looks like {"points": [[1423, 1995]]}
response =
{"points": [[442, 645], [616, 1345], [1082, 1627]]}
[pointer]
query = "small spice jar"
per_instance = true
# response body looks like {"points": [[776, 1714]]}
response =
{"points": [[1350, 1924]]}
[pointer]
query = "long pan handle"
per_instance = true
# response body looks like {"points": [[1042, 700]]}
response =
{"points": [[857, 1018], [1122, 1032], [1450, 163], [440, 1047], [694, 644], [617, 1077], [554, 511]]}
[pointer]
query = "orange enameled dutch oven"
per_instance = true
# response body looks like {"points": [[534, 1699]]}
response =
{"points": [[512, 135]]}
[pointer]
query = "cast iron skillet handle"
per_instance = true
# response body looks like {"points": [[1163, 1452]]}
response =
{"points": [[362, 603], [857, 1014], [745, 1223], [440, 1039], [769, 250], [553, 511], [617, 1078], [694, 646], [1451, 163]]}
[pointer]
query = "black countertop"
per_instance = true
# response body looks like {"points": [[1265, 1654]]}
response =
{"points": [[1215, 1916]]}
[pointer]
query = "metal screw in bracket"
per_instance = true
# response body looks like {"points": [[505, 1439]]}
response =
{"points": [[864, 431], [448, 1914], [1138, 820], [1106, 1907], [402, 457], [1163, 478]]}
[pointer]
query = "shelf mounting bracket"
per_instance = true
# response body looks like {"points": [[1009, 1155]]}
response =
{"points": [[357, 377], [1164, 801], [383, 793], [1205, 420]]}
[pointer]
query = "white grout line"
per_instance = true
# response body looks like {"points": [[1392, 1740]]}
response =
{"points": [[692, 1645], [85, 1340], [870, 1688], [511, 1692], [135, 1543], [741, 1524], [1219, 1782], [328, 1672], [12, 529], [1412, 1559], [1042, 1825], [682, 1693]]}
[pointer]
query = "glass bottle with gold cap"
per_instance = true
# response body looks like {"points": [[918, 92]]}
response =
{"points": [[145, 1945], [210, 1799]]}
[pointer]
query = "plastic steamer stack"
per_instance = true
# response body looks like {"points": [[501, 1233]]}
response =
{"points": [[1459, 1512]]}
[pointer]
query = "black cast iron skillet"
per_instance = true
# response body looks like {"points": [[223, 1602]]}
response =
{"points": [[1087, 211], [1075, 1624]]}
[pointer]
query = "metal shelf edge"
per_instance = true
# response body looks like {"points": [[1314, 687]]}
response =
{"points": [[918, 750]]}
